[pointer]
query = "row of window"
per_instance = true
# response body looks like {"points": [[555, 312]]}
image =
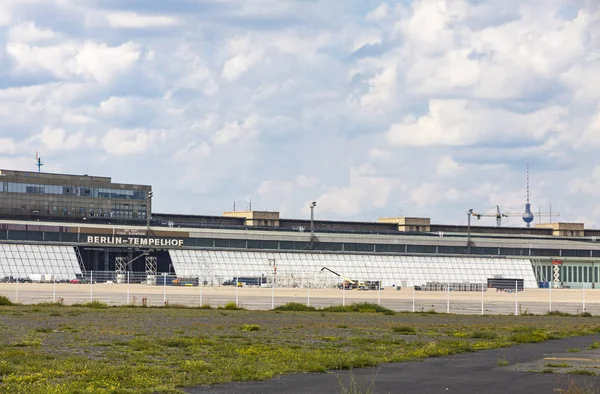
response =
{"points": [[82, 191], [569, 273], [115, 212]]}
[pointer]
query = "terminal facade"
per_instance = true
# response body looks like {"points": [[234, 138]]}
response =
{"points": [[85, 214], [59, 196]]}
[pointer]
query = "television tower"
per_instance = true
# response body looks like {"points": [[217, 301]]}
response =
{"points": [[528, 215]]}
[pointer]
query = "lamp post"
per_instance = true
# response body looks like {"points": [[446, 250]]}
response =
{"points": [[469, 214], [312, 223], [148, 215], [148, 209]]}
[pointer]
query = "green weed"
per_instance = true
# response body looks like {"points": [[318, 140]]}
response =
{"points": [[295, 306], [250, 327], [503, 362], [406, 330], [95, 304], [582, 372]]}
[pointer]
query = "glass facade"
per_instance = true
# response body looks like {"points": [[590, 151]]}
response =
{"points": [[571, 275], [54, 195], [26, 261], [95, 192], [300, 269]]}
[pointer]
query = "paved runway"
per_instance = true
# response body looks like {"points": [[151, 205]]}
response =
{"points": [[530, 300], [469, 373]]}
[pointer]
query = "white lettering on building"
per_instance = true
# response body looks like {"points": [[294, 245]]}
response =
{"points": [[135, 241]]}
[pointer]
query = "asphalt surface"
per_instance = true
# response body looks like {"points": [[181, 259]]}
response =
{"points": [[466, 373]]}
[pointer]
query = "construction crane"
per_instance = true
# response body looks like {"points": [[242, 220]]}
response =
{"points": [[499, 215], [350, 283]]}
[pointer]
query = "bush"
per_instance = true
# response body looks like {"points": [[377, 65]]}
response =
{"points": [[295, 306], [231, 306], [362, 307], [5, 301], [484, 335], [558, 313], [95, 304], [250, 327], [407, 330]]}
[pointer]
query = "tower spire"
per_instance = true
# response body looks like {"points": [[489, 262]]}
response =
{"points": [[527, 183]]}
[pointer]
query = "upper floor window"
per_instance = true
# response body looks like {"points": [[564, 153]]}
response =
{"points": [[70, 190]]}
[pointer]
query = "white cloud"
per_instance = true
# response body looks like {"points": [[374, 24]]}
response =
{"points": [[57, 139], [590, 138], [239, 64], [135, 20], [236, 131], [381, 89], [193, 152], [7, 146], [263, 100], [431, 194], [379, 154], [120, 142], [463, 123], [29, 32], [307, 181], [89, 60], [447, 167], [366, 190], [381, 12]]}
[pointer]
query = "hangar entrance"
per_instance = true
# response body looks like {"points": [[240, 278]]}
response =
{"points": [[103, 259]]}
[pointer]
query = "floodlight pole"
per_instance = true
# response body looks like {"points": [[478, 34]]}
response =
{"points": [[148, 213], [469, 214], [312, 224]]}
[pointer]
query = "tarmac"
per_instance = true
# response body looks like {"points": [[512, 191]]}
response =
{"points": [[536, 301], [482, 372]]}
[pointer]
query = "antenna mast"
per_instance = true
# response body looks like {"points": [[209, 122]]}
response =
{"points": [[38, 161]]}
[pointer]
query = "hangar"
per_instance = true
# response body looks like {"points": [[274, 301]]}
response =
{"points": [[72, 225]]}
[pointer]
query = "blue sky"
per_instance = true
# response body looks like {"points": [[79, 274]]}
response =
{"points": [[373, 109]]}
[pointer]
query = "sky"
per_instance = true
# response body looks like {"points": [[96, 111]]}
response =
{"points": [[372, 109]]}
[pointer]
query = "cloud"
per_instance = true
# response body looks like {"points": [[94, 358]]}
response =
{"points": [[7, 146], [236, 131], [447, 167], [89, 60], [57, 139], [366, 190], [239, 64], [307, 181], [119, 142], [135, 20], [29, 32], [381, 12], [464, 123], [368, 108]]}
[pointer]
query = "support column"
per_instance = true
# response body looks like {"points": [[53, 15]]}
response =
{"points": [[151, 270]]}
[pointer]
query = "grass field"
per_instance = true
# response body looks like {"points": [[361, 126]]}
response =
{"points": [[58, 349]]}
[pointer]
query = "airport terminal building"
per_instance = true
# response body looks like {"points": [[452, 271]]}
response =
{"points": [[72, 225]]}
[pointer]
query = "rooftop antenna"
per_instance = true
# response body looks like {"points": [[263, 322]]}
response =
{"points": [[528, 216], [250, 206], [38, 161], [233, 206]]}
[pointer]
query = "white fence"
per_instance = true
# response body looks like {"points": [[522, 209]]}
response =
{"points": [[194, 292]]}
